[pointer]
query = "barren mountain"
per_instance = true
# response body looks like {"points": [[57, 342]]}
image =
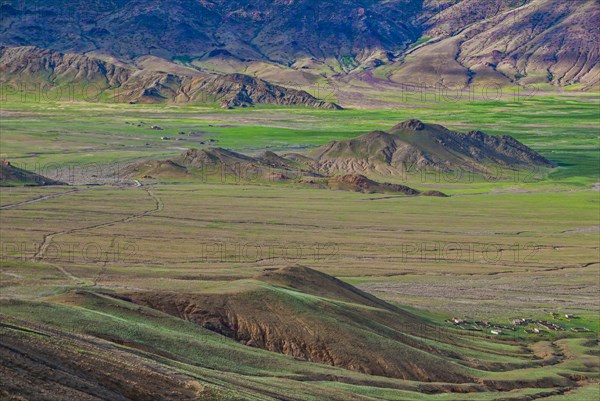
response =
{"points": [[462, 41], [416, 145], [514, 41], [280, 31], [127, 83], [409, 147]]}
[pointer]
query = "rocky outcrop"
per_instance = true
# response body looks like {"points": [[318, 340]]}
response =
{"points": [[32, 64]]}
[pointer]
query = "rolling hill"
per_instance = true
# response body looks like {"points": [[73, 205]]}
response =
{"points": [[252, 339], [14, 176], [221, 165], [291, 311], [414, 145], [407, 148]]}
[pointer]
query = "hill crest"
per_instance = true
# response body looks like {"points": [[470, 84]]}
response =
{"points": [[414, 144]]}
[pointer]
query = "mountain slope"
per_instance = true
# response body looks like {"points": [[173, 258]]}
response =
{"points": [[27, 350], [519, 41], [469, 41], [127, 83], [415, 145], [279, 31], [292, 311]]}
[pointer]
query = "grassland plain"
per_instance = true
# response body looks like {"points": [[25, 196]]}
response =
{"points": [[495, 250]]}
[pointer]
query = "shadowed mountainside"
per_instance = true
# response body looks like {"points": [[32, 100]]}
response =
{"points": [[425, 42], [280, 31]]}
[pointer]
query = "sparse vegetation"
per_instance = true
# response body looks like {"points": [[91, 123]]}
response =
{"points": [[199, 236], [420, 41], [186, 214]]}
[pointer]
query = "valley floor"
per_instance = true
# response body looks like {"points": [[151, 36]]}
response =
{"points": [[494, 251]]}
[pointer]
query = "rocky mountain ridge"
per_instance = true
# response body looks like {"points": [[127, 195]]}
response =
{"points": [[452, 42], [127, 83]]}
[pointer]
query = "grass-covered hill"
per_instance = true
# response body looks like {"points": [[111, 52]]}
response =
{"points": [[227, 343]]}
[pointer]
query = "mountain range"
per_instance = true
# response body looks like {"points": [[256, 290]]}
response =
{"points": [[427, 42]]}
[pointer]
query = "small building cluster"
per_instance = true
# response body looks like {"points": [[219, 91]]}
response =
{"points": [[479, 325], [549, 325], [497, 329], [522, 321]]}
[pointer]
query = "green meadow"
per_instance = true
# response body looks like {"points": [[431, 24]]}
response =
{"points": [[498, 248], [562, 128]]}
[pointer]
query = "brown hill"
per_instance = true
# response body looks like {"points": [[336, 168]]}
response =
{"points": [[200, 158], [314, 282], [415, 145], [155, 169], [128, 83], [11, 175], [229, 166], [360, 183], [238, 90], [214, 163], [300, 312], [409, 147]]}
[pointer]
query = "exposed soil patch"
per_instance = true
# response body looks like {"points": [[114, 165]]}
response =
{"points": [[293, 310]]}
